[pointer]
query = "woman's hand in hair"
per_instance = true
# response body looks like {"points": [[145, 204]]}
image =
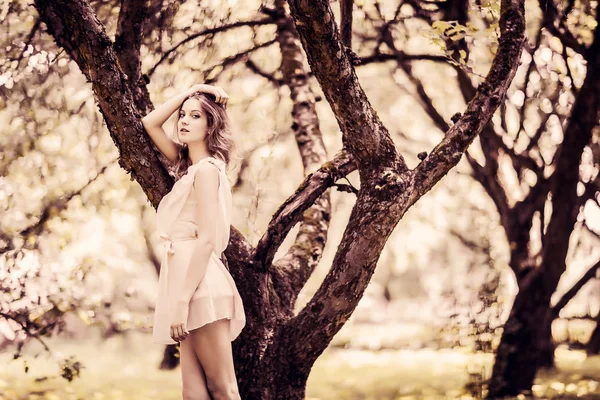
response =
{"points": [[220, 96]]}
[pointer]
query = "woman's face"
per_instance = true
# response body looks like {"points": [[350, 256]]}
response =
{"points": [[192, 123]]}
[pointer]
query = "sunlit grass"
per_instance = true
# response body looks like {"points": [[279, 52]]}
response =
{"points": [[126, 368], [116, 368]]}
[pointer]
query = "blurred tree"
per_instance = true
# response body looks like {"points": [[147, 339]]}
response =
{"points": [[538, 208]]}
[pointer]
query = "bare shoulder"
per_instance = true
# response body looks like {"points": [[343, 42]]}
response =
{"points": [[206, 170], [206, 177]]}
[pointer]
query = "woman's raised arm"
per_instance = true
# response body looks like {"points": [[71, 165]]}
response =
{"points": [[154, 121]]}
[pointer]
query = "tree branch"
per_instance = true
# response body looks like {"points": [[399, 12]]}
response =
{"points": [[270, 77], [400, 55], [363, 134], [76, 28], [232, 60], [563, 182], [346, 24], [208, 31], [128, 40], [305, 254], [489, 96], [569, 294], [291, 211]]}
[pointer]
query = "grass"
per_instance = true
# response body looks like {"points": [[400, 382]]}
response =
{"points": [[126, 368]]}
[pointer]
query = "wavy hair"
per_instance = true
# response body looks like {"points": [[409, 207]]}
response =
{"points": [[219, 138]]}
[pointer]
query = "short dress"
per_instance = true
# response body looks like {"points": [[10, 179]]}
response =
{"points": [[217, 296]]}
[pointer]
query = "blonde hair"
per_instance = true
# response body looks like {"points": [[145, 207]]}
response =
{"points": [[219, 138]]}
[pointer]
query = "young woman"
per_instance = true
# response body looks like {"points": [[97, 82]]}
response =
{"points": [[198, 304]]}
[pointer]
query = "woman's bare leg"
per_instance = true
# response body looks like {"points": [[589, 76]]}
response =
{"points": [[212, 344], [192, 374]]}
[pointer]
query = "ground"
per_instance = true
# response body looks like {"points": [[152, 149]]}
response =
{"points": [[125, 368]]}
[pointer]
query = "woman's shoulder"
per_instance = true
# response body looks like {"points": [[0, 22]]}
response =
{"points": [[210, 159]]}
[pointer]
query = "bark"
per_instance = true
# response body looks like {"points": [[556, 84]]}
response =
{"points": [[76, 28], [546, 343], [130, 28], [346, 7], [593, 346], [517, 358]]}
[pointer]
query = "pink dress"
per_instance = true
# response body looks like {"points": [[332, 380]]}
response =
{"points": [[217, 296]]}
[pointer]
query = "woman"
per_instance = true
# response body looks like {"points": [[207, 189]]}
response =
{"points": [[198, 305]]}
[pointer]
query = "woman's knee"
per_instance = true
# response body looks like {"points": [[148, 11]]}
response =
{"points": [[223, 391], [190, 393]]}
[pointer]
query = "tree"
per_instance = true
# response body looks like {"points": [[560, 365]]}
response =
{"points": [[277, 349], [525, 149]]}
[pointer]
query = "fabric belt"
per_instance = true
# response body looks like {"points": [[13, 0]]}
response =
{"points": [[169, 246], [169, 241]]}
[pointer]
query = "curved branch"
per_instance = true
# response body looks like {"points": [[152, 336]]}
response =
{"points": [[363, 133], [205, 32], [291, 211], [569, 294], [480, 109]]}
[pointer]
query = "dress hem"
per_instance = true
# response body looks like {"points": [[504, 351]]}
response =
{"points": [[207, 309], [232, 320]]}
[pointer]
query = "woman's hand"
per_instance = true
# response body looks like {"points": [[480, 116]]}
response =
{"points": [[220, 96], [178, 329]]}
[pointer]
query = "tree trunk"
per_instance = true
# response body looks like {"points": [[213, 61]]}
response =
{"points": [[517, 358], [170, 358], [546, 343], [593, 346]]}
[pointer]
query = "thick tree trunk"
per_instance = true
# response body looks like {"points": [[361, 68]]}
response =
{"points": [[593, 346], [546, 342], [517, 355]]}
